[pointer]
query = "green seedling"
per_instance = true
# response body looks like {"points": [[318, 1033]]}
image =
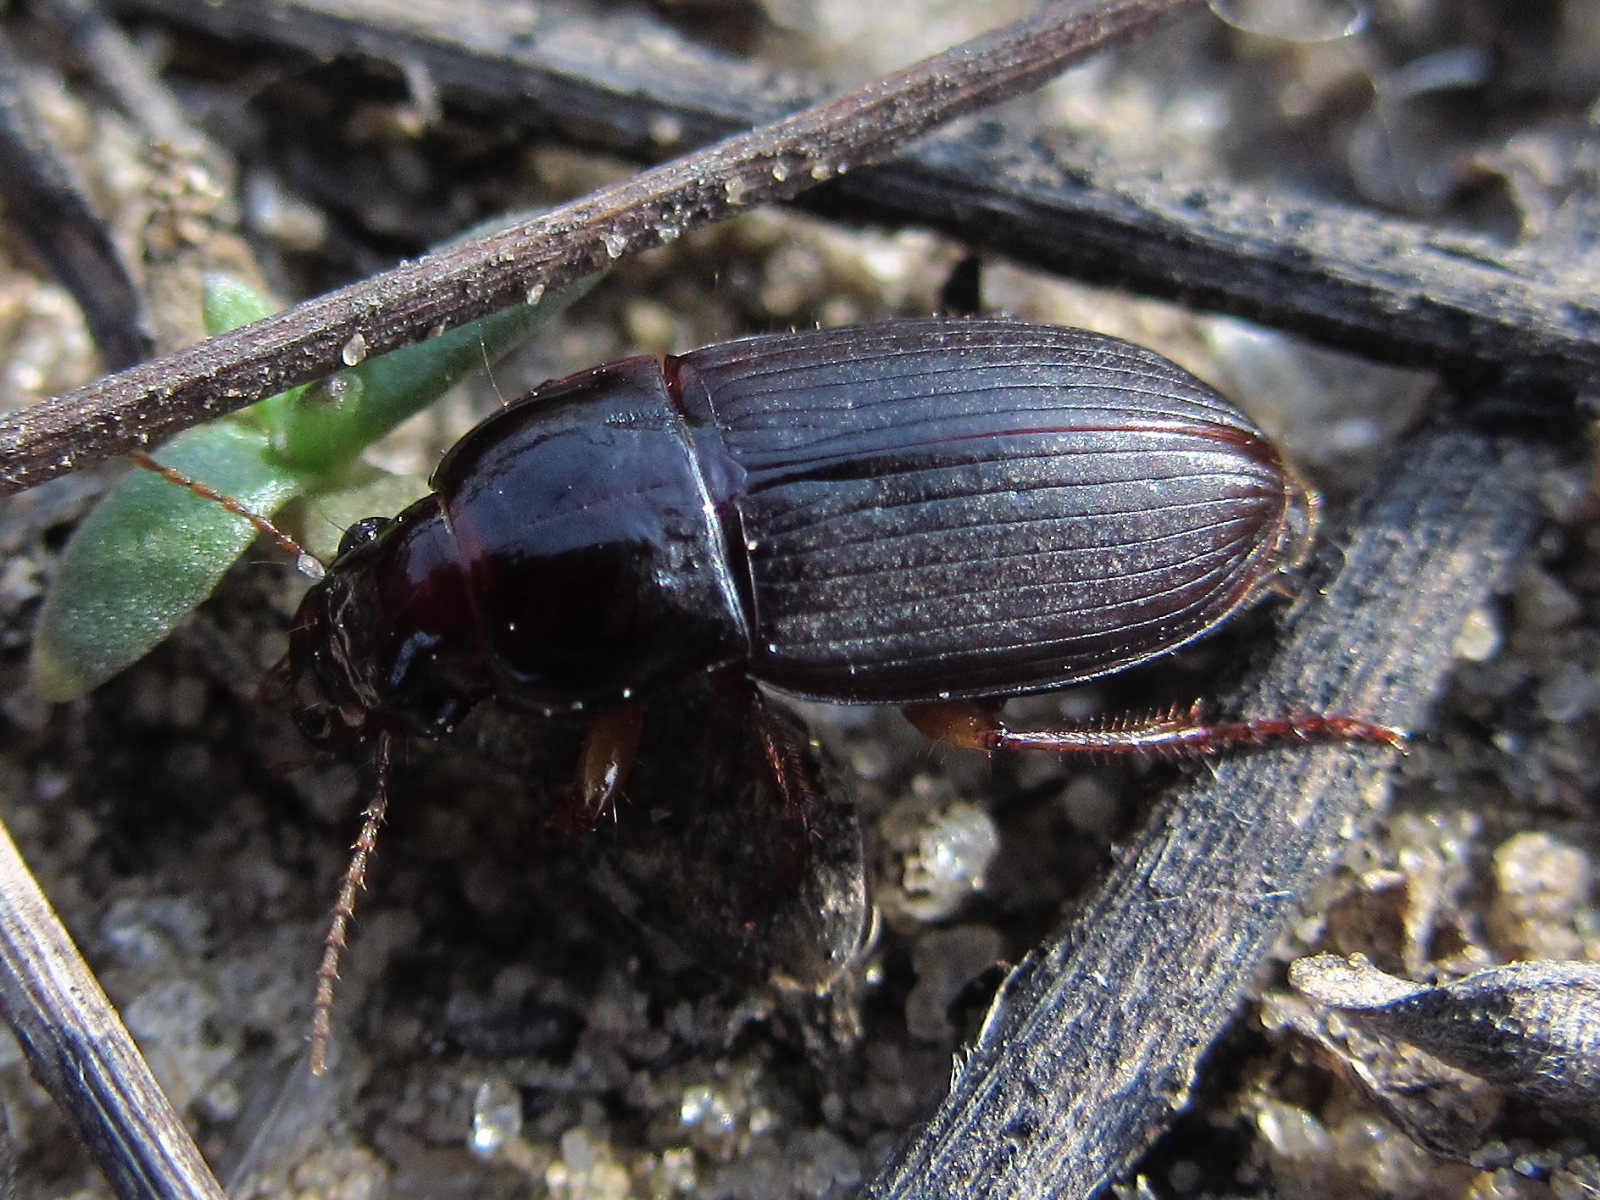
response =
{"points": [[151, 552]]}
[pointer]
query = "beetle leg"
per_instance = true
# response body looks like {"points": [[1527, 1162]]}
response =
{"points": [[609, 748], [962, 293], [1172, 733], [789, 772], [785, 761]]}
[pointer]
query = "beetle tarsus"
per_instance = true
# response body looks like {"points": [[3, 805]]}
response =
{"points": [[1300, 727]]}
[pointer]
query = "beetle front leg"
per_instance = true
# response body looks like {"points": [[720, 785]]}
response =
{"points": [[609, 747], [1173, 733]]}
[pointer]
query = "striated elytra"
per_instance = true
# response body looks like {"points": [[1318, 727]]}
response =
{"points": [[897, 514]]}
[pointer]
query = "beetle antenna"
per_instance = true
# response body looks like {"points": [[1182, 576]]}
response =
{"points": [[488, 370], [304, 561], [344, 908]]}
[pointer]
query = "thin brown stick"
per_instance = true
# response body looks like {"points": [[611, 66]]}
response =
{"points": [[1401, 291], [80, 1051], [134, 408]]}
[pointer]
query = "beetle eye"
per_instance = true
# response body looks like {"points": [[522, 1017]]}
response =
{"points": [[316, 726], [361, 533]]}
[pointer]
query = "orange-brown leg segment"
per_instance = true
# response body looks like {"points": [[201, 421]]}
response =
{"points": [[609, 748], [1174, 733]]}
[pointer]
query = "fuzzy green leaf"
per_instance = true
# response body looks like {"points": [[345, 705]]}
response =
{"points": [[148, 554]]}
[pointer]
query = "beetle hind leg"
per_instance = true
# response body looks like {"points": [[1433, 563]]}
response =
{"points": [[791, 775], [1172, 733]]}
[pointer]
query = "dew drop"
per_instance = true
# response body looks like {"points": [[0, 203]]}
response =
{"points": [[496, 1117], [342, 387], [354, 351], [616, 243], [535, 293], [1300, 21], [780, 171], [665, 130]]}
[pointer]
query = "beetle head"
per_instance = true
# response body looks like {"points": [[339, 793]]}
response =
{"points": [[334, 707], [386, 642]]}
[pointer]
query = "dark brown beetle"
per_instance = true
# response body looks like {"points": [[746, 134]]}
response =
{"points": [[896, 514], [931, 513]]}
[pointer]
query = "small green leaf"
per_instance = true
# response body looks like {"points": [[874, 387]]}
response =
{"points": [[227, 302], [148, 554]]}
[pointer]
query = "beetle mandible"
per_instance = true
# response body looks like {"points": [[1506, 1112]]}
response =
{"points": [[930, 513]]}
